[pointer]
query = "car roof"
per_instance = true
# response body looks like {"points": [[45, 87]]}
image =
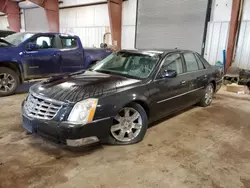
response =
{"points": [[54, 33], [156, 51]]}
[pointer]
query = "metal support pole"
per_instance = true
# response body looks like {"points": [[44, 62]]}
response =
{"points": [[115, 19], [11, 9], [232, 32]]}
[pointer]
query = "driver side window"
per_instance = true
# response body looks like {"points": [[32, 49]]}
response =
{"points": [[45, 42], [172, 62]]}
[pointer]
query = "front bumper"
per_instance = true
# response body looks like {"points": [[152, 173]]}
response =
{"points": [[66, 133]]}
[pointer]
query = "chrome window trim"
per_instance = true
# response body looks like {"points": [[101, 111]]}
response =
{"points": [[181, 74], [184, 73], [198, 57], [164, 100], [102, 119]]}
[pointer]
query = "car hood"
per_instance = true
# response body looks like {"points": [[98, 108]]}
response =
{"points": [[78, 86]]}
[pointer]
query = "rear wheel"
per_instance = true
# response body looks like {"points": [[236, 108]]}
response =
{"points": [[208, 96], [129, 126], [8, 81]]}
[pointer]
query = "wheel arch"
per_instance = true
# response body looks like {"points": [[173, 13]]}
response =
{"points": [[143, 104], [214, 84], [13, 66]]}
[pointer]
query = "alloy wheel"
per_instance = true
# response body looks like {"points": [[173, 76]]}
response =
{"points": [[209, 94], [127, 125], [7, 82]]}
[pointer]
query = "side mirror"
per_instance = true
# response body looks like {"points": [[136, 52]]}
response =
{"points": [[32, 47], [169, 74]]}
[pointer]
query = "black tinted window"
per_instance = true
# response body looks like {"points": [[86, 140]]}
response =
{"points": [[45, 42], [172, 62], [68, 42], [191, 62]]}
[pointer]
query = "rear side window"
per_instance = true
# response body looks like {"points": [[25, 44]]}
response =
{"points": [[204, 62], [68, 42], [200, 64], [191, 62]]}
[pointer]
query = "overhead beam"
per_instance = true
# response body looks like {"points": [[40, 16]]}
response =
{"points": [[11, 9], [115, 19], [52, 12], [232, 32]]}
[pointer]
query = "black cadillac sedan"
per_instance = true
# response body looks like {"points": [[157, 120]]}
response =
{"points": [[114, 101]]}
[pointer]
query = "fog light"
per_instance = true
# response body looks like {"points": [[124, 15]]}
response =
{"points": [[82, 141]]}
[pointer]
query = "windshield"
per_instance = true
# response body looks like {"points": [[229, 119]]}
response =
{"points": [[128, 64], [18, 38]]}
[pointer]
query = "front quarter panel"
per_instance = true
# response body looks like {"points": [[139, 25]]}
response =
{"points": [[109, 106]]}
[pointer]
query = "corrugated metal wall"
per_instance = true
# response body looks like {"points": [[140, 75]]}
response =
{"points": [[36, 20], [90, 36], [4, 23], [242, 59], [128, 24], [216, 42], [90, 23], [79, 2]]}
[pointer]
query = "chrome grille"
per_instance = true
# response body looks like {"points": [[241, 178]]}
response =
{"points": [[41, 108]]}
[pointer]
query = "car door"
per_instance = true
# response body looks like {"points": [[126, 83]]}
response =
{"points": [[197, 72], [45, 59], [202, 74], [71, 54], [168, 94]]}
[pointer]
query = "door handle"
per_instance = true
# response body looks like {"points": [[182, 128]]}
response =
{"points": [[183, 82]]}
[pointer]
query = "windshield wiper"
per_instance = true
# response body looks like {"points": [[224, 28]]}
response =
{"points": [[104, 71], [117, 73]]}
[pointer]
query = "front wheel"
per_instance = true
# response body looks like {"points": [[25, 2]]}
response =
{"points": [[129, 125], [8, 81], [208, 96]]}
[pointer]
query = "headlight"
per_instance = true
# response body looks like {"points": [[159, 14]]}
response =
{"points": [[83, 112]]}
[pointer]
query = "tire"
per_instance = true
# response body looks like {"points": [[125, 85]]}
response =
{"points": [[138, 128], [9, 81], [208, 96]]}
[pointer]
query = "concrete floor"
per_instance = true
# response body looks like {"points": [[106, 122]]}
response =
{"points": [[201, 147]]}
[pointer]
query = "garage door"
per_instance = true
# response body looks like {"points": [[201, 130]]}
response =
{"points": [[171, 24]]}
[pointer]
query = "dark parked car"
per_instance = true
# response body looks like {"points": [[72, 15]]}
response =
{"points": [[115, 100]]}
